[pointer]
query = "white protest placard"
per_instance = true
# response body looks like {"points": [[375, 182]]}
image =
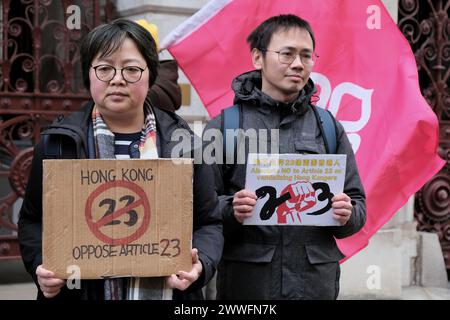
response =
{"points": [[294, 189]]}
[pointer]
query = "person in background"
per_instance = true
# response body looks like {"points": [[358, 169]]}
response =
{"points": [[165, 92]]}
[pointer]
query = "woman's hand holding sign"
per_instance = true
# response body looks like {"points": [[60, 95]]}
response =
{"points": [[49, 285], [182, 280]]}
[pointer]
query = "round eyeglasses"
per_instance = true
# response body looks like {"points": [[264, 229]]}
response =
{"points": [[106, 73], [286, 56]]}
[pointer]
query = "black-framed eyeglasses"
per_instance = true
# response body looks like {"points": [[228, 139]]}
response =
{"points": [[106, 73], [287, 56]]}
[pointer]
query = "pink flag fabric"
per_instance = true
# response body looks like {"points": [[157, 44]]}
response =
{"points": [[366, 75]]}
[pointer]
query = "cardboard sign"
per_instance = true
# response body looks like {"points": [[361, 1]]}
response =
{"points": [[294, 189], [112, 218]]}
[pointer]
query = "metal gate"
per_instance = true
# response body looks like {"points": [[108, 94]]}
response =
{"points": [[40, 78], [425, 24]]}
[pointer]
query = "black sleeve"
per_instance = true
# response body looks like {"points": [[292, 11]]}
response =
{"points": [[207, 224], [230, 224], [353, 187], [30, 217], [165, 93]]}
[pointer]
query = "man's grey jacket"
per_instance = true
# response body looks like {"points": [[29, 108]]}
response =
{"points": [[281, 262]]}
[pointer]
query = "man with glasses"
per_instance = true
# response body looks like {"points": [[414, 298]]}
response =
{"points": [[282, 262]]}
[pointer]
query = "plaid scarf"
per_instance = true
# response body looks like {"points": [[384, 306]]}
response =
{"points": [[130, 288], [104, 138]]}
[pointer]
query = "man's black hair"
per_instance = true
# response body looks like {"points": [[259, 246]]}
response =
{"points": [[107, 38], [261, 36]]}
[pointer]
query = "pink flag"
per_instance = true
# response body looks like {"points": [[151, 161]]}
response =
{"points": [[366, 75]]}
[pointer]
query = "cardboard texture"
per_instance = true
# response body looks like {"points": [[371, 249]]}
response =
{"points": [[113, 218]]}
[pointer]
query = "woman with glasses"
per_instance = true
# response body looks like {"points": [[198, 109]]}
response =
{"points": [[119, 65]]}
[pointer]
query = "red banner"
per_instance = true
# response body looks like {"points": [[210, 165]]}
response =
{"points": [[366, 75]]}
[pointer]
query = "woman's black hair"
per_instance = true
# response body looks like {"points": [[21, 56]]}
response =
{"points": [[107, 38]]}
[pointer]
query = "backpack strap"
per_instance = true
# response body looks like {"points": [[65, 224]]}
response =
{"points": [[52, 147], [328, 128], [231, 120], [62, 143]]}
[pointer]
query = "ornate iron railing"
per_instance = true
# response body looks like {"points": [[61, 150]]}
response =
{"points": [[426, 26], [40, 78]]}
